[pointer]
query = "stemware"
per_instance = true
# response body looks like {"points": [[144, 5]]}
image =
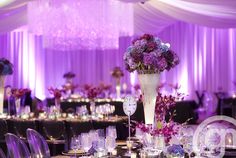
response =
{"points": [[111, 131], [85, 142], [101, 132], [73, 145], [92, 108], [138, 133], [110, 144], [100, 144], [187, 139]]}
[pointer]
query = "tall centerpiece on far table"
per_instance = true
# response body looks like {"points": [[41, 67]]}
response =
{"points": [[92, 92], [6, 68], [149, 57], [117, 73], [57, 93], [69, 86]]}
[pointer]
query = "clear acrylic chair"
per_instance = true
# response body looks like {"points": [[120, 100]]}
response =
{"points": [[38, 145], [2, 154], [16, 147]]}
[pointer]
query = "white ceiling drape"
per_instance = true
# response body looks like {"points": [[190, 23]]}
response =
{"points": [[154, 15], [13, 15], [149, 15]]}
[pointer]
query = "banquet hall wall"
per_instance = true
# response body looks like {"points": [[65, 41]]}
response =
{"points": [[208, 60]]}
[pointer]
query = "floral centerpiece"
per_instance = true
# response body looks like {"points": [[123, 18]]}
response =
{"points": [[149, 56], [6, 68], [92, 92], [117, 73], [105, 89], [57, 93], [69, 86], [19, 97], [175, 151], [162, 127], [69, 75]]}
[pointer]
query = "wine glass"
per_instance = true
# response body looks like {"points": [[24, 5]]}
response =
{"points": [[85, 142], [100, 144], [187, 139], [73, 145], [110, 144], [138, 133], [111, 131], [101, 133], [113, 108], [92, 108]]}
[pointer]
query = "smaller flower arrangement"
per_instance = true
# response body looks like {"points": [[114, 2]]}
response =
{"points": [[19, 93], [137, 87], [57, 93], [148, 54], [175, 151], [117, 72], [162, 127], [105, 87], [69, 75], [6, 67], [92, 92]]}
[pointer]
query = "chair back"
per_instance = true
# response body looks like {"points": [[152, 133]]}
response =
{"points": [[4, 129], [16, 147], [2, 154], [38, 145], [20, 127], [54, 130]]}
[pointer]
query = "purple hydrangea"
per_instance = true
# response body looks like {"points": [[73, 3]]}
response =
{"points": [[175, 150], [148, 54], [164, 48], [6, 67], [149, 59], [161, 63]]}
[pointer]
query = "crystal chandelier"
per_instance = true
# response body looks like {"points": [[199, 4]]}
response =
{"points": [[80, 24]]}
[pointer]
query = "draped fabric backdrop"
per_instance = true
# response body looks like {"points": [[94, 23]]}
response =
{"points": [[207, 54], [208, 60]]}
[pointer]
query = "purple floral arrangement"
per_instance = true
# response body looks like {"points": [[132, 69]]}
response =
{"points": [[163, 127], [92, 92], [175, 150], [57, 93], [117, 72], [6, 67], [148, 54], [69, 75]]}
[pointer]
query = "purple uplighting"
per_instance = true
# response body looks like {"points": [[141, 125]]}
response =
{"points": [[127, 78], [205, 64]]}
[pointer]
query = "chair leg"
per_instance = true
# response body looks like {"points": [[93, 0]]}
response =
{"points": [[54, 149]]}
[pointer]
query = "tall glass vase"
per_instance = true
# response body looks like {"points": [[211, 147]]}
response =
{"points": [[118, 88], [149, 83], [58, 105], [2, 81]]}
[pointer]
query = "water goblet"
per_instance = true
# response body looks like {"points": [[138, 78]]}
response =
{"points": [[73, 145], [110, 144], [85, 142], [101, 132], [111, 131]]}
